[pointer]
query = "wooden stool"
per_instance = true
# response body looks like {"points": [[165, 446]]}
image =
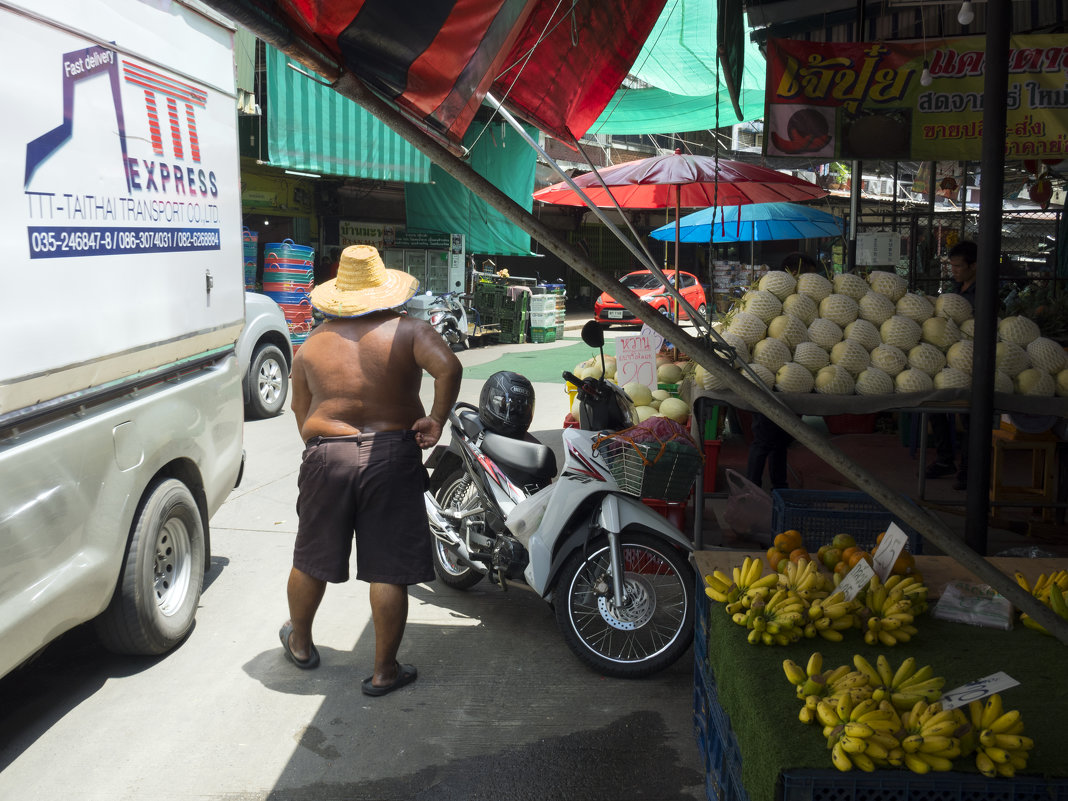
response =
{"points": [[1043, 485]]}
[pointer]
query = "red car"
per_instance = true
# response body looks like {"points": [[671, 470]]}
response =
{"points": [[607, 310]]}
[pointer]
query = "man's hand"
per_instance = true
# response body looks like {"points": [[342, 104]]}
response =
{"points": [[427, 432]]}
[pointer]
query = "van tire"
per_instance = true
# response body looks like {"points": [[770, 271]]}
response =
{"points": [[156, 598], [268, 382]]}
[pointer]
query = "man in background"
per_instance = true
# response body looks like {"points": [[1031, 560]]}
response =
{"points": [[963, 266]]}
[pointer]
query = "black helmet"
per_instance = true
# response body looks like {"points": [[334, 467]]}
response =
{"points": [[506, 405]]}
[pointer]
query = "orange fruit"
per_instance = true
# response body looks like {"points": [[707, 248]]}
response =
{"points": [[904, 564], [847, 553], [774, 557], [799, 553], [879, 538], [857, 556], [831, 557], [843, 541], [788, 541], [842, 567]]}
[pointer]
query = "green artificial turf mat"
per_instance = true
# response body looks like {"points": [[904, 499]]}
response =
{"points": [[763, 707]]}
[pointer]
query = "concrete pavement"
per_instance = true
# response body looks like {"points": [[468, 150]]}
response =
{"points": [[501, 709]]}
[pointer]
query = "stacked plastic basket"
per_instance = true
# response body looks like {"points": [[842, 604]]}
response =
{"points": [[288, 278], [249, 239]]}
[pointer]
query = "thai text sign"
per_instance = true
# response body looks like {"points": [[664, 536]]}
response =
{"points": [[864, 100], [635, 361]]}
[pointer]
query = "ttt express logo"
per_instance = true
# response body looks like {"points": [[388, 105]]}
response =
{"points": [[170, 108]]}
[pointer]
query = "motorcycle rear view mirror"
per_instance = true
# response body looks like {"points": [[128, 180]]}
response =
{"points": [[593, 334]]}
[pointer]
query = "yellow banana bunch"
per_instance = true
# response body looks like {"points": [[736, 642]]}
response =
{"points": [[805, 579], [860, 734], [903, 686], [1041, 586], [829, 617], [886, 612], [911, 589], [931, 740], [775, 620], [1055, 601], [735, 588], [1000, 747]]}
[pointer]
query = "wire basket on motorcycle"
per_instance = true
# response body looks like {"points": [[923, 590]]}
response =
{"points": [[661, 469]]}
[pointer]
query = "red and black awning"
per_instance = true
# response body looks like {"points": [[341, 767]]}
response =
{"points": [[555, 63]]}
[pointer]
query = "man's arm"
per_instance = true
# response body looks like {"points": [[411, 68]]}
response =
{"points": [[434, 356]]}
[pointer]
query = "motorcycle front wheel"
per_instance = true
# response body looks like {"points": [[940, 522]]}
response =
{"points": [[457, 494], [651, 630]]}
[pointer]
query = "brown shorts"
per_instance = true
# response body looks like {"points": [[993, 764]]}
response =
{"points": [[370, 485]]}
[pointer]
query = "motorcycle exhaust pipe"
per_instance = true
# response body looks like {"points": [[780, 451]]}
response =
{"points": [[441, 528]]}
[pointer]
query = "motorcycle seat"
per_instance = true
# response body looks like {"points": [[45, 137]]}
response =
{"points": [[526, 461]]}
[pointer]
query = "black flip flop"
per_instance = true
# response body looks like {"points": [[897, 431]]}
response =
{"points": [[304, 664], [406, 674]]}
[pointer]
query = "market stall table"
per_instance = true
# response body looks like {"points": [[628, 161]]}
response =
{"points": [[756, 749], [939, 401]]}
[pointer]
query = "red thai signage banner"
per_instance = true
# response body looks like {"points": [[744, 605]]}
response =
{"points": [[865, 100]]}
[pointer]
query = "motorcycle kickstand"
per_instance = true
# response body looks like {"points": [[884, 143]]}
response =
{"points": [[615, 556]]}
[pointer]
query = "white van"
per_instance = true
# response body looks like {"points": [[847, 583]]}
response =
{"points": [[120, 395]]}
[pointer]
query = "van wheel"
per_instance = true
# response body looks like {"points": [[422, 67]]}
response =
{"points": [[156, 598], [268, 381]]}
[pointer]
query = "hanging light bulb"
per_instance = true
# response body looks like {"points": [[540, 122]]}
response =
{"points": [[925, 76], [966, 15]]}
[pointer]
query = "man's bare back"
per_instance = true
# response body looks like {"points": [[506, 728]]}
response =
{"points": [[362, 375]]}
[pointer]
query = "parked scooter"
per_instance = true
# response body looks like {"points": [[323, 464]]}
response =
{"points": [[616, 573], [445, 312]]}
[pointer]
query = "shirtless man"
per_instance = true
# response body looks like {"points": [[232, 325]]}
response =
{"points": [[355, 394]]}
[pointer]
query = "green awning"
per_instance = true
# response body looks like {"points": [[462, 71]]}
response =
{"points": [[679, 66], [446, 206], [312, 128]]}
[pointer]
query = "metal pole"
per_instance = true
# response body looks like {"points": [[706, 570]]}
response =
{"points": [[995, 93]]}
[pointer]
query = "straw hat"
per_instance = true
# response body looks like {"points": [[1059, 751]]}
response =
{"points": [[363, 285]]}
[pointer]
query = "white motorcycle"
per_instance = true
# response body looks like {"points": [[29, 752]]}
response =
{"points": [[446, 313], [617, 574]]}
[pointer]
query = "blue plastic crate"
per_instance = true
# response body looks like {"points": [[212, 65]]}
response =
{"points": [[901, 785], [819, 515]]}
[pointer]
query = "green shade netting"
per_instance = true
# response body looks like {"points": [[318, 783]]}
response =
{"points": [[312, 128], [678, 63], [499, 154]]}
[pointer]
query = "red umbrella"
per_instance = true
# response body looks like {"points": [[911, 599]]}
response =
{"points": [[679, 181]]}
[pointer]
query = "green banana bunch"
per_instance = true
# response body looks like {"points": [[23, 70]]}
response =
{"points": [[1000, 748], [931, 740]]}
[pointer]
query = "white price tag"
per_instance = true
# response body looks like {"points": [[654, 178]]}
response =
{"points": [[856, 580], [894, 541], [978, 689]]}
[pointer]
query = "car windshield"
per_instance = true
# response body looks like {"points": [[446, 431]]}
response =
{"points": [[641, 281]]}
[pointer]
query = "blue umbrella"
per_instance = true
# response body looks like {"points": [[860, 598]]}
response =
{"points": [[760, 222]]}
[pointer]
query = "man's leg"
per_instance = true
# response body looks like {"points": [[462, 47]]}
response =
{"points": [[942, 440], [305, 593], [760, 448], [389, 611]]}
